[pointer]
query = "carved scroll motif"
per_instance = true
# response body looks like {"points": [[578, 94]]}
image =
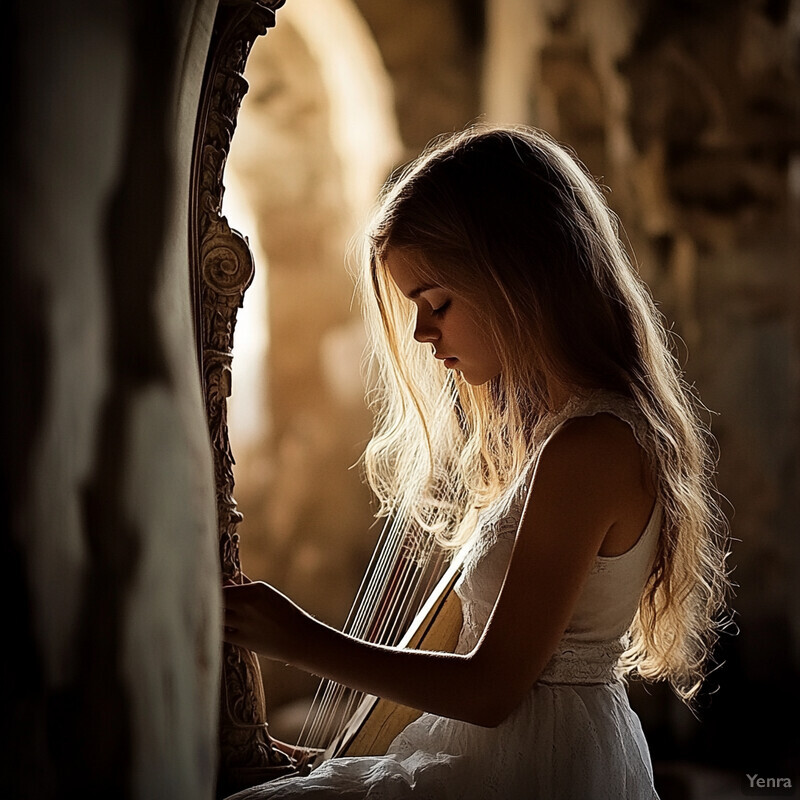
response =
{"points": [[221, 270]]}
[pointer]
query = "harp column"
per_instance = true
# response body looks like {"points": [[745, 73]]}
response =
{"points": [[221, 270]]}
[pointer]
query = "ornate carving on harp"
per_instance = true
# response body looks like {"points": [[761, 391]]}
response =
{"points": [[221, 270]]}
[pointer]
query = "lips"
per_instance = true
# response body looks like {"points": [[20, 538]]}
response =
{"points": [[449, 361]]}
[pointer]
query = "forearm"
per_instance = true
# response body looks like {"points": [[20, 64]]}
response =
{"points": [[481, 687], [447, 684]]}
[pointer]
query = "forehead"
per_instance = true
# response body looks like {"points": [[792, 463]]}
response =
{"points": [[410, 272]]}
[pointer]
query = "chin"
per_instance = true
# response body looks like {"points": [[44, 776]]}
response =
{"points": [[478, 380]]}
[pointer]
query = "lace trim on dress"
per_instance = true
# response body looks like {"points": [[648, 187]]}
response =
{"points": [[602, 401], [589, 663], [488, 535]]}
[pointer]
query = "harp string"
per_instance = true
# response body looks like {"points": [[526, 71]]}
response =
{"points": [[396, 584], [389, 632], [318, 722], [400, 576], [326, 706], [400, 592], [385, 625]]}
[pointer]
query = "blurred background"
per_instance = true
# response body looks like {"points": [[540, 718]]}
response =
{"points": [[689, 111]]}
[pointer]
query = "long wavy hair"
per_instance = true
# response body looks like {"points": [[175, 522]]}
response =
{"points": [[511, 221]]}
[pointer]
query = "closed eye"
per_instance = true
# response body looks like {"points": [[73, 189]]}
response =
{"points": [[438, 312]]}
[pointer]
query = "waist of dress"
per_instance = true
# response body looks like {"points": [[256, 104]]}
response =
{"points": [[584, 663]]}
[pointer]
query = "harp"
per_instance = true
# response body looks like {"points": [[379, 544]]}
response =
{"points": [[221, 269]]}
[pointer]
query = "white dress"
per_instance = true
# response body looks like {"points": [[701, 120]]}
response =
{"points": [[574, 736]]}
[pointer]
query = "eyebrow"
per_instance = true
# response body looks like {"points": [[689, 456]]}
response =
{"points": [[415, 293]]}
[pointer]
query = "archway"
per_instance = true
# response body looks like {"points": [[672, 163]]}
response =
{"points": [[316, 137]]}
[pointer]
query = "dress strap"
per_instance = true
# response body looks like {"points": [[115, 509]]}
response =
{"points": [[602, 401], [503, 517]]}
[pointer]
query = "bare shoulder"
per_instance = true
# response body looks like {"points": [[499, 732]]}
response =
{"points": [[598, 460], [588, 442]]}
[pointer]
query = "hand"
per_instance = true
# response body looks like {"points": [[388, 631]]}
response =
{"points": [[258, 617], [303, 757]]}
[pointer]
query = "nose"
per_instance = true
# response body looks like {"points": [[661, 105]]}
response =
{"points": [[425, 330]]}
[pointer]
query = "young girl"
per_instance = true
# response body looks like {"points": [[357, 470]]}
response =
{"points": [[530, 410]]}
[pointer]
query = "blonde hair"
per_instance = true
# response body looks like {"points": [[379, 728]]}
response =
{"points": [[511, 221]]}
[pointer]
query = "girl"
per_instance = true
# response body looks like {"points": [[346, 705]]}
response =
{"points": [[530, 410]]}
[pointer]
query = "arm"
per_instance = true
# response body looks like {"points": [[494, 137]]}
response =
{"points": [[556, 544]]}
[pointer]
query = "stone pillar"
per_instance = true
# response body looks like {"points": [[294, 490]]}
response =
{"points": [[110, 554]]}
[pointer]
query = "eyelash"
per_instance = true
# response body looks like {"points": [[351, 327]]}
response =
{"points": [[437, 312]]}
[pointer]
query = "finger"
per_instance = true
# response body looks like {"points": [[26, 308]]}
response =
{"points": [[238, 580]]}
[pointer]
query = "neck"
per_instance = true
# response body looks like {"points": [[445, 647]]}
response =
{"points": [[559, 393]]}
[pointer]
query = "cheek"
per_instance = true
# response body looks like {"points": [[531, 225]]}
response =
{"points": [[480, 336], [492, 355], [488, 347], [482, 346]]}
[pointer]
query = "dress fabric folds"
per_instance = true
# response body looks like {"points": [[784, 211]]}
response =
{"points": [[574, 737]]}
